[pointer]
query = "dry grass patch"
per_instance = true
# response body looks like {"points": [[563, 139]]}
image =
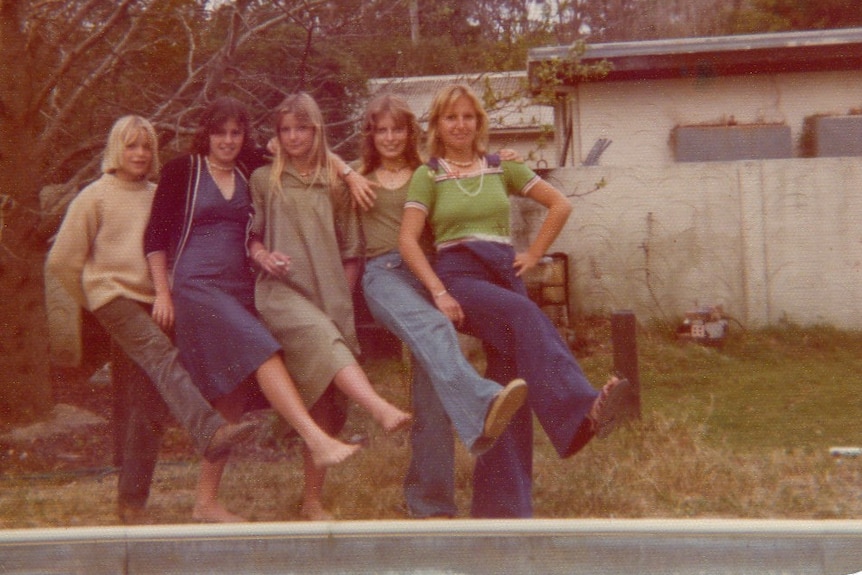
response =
{"points": [[738, 432], [661, 467]]}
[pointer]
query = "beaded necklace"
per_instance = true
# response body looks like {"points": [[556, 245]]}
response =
{"points": [[465, 191]]}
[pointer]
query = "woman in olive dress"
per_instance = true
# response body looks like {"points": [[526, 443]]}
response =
{"points": [[306, 242]]}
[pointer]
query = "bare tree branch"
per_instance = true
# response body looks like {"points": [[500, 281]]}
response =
{"points": [[71, 101], [77, 53]]}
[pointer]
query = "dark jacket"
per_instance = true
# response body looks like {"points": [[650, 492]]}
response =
{"points": [[173, 211]]}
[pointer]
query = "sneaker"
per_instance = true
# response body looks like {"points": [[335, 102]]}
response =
{"points": [[608, 408], [226, 437], [503, 409]]}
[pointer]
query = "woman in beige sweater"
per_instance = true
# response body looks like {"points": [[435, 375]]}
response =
{"points": [[98, 257]]}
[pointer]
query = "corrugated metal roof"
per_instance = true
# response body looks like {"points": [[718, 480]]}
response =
{"points": [[839, 49], [513, 109]]}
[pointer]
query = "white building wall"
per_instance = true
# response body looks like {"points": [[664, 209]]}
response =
{"points": [[771, 240], [639, 116]]}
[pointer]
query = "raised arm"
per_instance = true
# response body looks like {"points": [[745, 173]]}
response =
{"points": [[559, 209], [361, 188]]}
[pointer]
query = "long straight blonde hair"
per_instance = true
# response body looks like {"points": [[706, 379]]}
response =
{"points": [[307, 112]]}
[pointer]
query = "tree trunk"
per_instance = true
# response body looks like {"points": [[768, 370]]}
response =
{"points": [[25, 384]]}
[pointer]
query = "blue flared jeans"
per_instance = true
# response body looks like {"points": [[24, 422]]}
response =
{"points": [[446, 387], [520, 341]]}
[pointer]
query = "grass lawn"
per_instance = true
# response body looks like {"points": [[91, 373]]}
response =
{"points": [[740, 431], [788, 388]]}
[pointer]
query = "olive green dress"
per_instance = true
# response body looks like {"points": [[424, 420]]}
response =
{"points": [[310, 312]]}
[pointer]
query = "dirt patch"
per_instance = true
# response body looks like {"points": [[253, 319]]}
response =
{"points": [[78, 435], [64, 419]]}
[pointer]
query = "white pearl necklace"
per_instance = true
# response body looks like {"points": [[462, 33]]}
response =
{"points": [[465, 191]]}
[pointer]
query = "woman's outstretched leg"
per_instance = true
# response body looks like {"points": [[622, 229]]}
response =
{"points": [[354, 383], [499, 313], [279, 389]]}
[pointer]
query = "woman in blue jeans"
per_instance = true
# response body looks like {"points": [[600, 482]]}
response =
{"points": [[462, 194], [446, 387]]}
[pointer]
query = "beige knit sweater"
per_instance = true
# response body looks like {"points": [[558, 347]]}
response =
{"points": [[98, 254]]}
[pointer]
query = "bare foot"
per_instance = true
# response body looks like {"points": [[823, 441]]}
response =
{"points": [[215, 513], [329, 451], [393, 419], [314, 511]]}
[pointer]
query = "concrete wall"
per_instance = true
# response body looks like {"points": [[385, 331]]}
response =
{"points": [[538, 151], [438, 547], [770, 240]]}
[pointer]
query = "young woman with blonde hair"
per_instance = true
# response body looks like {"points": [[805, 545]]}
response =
{"points": [[307, 246], [475, 280]]}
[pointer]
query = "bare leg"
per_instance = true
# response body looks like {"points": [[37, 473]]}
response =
{"points": [[207, 507], [312, 505], [280, 390], [329, 411], [354, 383]]}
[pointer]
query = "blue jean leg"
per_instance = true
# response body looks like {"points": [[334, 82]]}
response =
{"points": [[429, 486], [503, 475], [133, 329], [400, 303], [480, 276]]}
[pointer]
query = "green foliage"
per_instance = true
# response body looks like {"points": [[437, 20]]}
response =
{"points": [[780, 388], [553, 76], [786, 15]]}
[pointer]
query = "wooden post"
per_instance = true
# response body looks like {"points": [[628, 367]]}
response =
{"points": [[624, 339]]}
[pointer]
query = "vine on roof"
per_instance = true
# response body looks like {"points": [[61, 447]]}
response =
{"points": [[553, 78]]}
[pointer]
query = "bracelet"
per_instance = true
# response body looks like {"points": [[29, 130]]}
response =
{"points": [[440, 294], [346, 172], [257, 253]]}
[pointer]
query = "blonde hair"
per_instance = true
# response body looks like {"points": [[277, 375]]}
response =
{"points": [[124, 132], [401, 114], [307, 112], [442, 100]]}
